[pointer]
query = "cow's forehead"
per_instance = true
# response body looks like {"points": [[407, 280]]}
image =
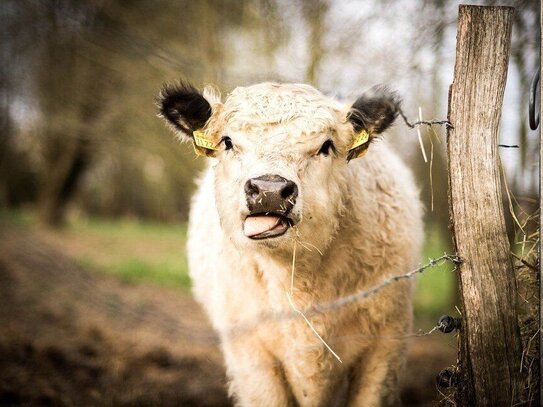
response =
{"points": [[272, 105]]}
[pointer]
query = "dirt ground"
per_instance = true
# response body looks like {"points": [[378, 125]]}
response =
{"points": [[70, 337]]}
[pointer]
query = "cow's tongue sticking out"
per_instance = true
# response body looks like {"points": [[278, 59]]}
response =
{"points": [[263, 226]]}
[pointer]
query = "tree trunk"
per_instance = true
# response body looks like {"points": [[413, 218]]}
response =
{"points": [[490, 337], [63, 183]]}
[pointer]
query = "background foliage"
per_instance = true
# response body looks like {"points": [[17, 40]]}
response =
{"points": [[78, 80]]}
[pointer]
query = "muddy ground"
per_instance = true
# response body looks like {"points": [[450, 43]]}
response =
{"points": [[70, 337]]}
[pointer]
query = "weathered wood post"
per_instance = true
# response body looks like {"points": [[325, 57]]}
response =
{"points": [[490, 337]]}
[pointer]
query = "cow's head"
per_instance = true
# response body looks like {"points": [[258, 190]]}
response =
{"points": [[280, 155]]}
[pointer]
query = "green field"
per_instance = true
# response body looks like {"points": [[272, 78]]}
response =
{"points": [[436, 286], [149, 252], [132, 250], [135, 251]]}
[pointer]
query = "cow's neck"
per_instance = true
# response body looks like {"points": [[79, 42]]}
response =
{"points": [[301, 275]]}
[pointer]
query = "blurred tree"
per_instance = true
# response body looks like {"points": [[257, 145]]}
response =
{"points": [[16, 175], [525, 55], [6, 94], [70, 86], [79, 79], [315, 13], [433, 102], [141, 169]]}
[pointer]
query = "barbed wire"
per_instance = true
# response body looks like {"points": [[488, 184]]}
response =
{"points": [[412, 125], [445, 123], [344, 301], [367, 293]]}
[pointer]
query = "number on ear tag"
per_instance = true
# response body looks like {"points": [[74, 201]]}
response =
{"points": [[203, 147]]}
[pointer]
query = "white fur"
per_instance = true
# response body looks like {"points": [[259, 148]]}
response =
{"points": [[364, 216]]}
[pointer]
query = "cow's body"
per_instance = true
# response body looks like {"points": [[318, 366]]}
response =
{"points": [[365, 219]]}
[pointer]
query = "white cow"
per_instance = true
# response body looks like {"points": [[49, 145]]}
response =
{"points": [[280, 180]]}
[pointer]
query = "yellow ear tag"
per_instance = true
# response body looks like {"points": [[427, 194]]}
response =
{"points": [[362, 138], [360, 145], [203, 146]]}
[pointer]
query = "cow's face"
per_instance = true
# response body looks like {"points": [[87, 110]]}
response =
{"points": [[280, 156]]}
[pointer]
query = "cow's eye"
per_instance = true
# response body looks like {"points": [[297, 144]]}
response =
{"points": [[326, 147], [227, 143]]}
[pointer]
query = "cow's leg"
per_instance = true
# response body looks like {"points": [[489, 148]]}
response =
{"points": [[375, 377], [256, 377]]}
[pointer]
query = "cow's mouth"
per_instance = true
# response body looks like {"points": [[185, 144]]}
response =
{"points": [[265, 225]]}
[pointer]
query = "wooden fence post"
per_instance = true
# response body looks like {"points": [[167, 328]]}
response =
{"points": [[490, 338]]}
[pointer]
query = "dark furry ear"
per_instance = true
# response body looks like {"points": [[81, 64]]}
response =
{"points": [[184, 107], [375, 110]]}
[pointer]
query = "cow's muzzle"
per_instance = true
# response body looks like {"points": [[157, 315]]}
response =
{"points": [[270, 199]]}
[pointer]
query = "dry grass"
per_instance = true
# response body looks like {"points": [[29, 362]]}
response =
{"points": [[525, 218]]}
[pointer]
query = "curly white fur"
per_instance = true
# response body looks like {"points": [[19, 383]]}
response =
{"points": [[365, 218]]}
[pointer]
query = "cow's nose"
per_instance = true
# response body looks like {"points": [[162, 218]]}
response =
{"points": [[270, 193]]}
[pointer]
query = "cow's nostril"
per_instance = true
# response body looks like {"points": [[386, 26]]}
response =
{"points": [[251, 189], [290, 190]]}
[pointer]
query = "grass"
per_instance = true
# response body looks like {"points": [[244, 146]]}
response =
{"points": [[131, 270], [133, 251], [140, 252], [436, 287], [19, 218]]}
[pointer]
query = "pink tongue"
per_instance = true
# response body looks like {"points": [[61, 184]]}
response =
{"points": [[254, 225]]}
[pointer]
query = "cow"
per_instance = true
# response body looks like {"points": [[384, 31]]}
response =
{"points": [[301, 203]]}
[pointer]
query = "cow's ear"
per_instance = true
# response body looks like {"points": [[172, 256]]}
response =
{"points": [[184, 107], [375, 110], [371, 114]]}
